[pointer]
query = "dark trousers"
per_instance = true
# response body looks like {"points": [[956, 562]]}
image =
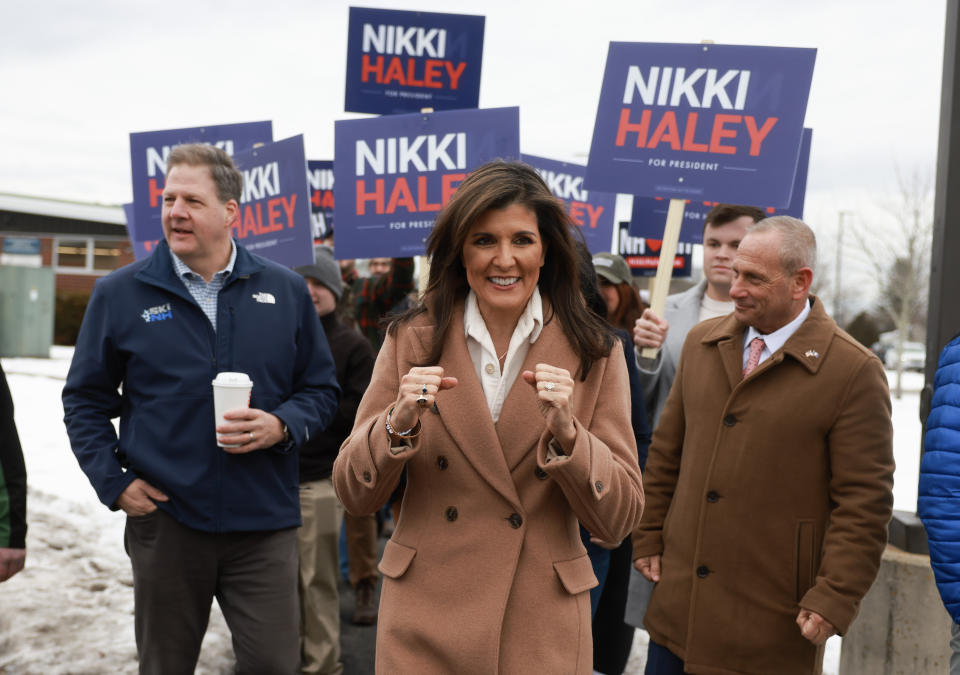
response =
{"points": [[661, 661], [177, 571], [612, 638]]}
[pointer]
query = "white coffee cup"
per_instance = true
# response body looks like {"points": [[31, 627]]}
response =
{"points": [[231, 391]]}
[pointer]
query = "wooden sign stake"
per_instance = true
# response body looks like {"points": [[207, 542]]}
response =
{"points": [[668, 253], [423, 261]]}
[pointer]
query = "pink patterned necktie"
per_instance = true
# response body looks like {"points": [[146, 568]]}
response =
{"points": [[756, 346]]}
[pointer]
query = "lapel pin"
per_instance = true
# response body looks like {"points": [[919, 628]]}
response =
{"points": [[812, 353]]}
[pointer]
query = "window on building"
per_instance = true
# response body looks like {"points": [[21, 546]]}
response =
{"points": [[90, 255]]}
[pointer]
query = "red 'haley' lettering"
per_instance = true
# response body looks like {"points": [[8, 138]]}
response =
{"points": [[322, 199], [402, 196], [667, 130], [593, 213], [278, 211], [405, 71], [156, 192]]}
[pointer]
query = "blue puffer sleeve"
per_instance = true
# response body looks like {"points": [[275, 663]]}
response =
{"points": [[938, 504]]}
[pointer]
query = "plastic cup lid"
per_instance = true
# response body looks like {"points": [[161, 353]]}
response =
{"points": [[232, 380]]}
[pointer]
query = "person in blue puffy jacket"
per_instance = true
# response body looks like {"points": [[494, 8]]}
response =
{"points": [[203, 521], [939, 492]]}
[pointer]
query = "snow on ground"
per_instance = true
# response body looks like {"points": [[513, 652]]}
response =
{"points": [[71, 609]]}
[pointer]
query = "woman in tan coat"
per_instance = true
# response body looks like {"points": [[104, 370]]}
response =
{"points": [[507, 403]]}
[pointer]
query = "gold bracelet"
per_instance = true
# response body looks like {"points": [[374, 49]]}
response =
{"points": [[412, 432]]}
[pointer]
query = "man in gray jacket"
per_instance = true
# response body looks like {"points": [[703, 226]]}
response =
{"points": [[724, 228]]}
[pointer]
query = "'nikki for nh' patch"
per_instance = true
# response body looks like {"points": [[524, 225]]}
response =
{"points": [[158, 313]]}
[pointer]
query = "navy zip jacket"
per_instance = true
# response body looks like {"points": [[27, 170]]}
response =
{"points": [[939, 490], [144, 333]]}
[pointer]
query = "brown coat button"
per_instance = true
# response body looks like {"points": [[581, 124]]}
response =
{"points": [[703, 571], [730, 420], [367, 477], [713, 497], [452, 513], [442, 462], [516, 520]]}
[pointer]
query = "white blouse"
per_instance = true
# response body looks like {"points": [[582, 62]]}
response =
{"points": [[496, 384]]}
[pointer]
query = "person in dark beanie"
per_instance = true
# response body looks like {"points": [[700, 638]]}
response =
{"points": [[321, 511], [13, 490]]}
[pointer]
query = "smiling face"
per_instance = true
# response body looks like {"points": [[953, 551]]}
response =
{"points": [[502, 255], [719, 248], [765, 296], [196, 224]]}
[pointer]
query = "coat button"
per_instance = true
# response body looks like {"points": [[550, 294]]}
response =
{"points": [[516, 520], [730, 420], [442, 462], [367, 477], [489, 368], [703, 571], [452, 513], [540, 473], [599, 485], [712, 497]]}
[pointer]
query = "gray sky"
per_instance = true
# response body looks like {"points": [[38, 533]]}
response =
{"points": [[77, 77]]}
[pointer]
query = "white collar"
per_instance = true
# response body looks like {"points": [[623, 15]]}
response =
{"points": [[529, 324], [779, 337]]}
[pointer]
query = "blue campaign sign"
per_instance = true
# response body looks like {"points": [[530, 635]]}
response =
{"points": [[274, 219], [650, 215], [148, 160], [399, 61], [320, 182], [701, 122], [394, 173], [591, 211], [141, 249], [643, 255]]}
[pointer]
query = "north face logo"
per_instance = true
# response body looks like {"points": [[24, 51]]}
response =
{"points": [[265, 297]]}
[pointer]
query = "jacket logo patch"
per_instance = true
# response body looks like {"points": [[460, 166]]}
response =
{"points": [[265, 297], [158, 313]]}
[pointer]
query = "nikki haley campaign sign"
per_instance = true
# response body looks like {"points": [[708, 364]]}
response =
{"points": [[591, 211], [274, 218], [320, 182], [700, 121], [394, 173], [400, 61], [148, 160], [649, 214]]}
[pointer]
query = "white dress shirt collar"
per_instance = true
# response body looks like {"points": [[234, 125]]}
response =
{"points": [[777, 338]]}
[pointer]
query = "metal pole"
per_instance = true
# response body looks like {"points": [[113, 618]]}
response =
{"points": [[943, 315], [838, 285]]}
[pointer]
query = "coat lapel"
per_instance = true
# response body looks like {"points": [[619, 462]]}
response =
{"points": [[727, 334], [808, 345], [521, 423], [463, 411]]}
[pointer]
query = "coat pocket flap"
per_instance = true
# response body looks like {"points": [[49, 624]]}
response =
{"points": [[396, 559], [576, 575]]}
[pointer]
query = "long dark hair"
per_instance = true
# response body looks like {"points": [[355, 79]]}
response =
{"points": [[497, 185]]}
